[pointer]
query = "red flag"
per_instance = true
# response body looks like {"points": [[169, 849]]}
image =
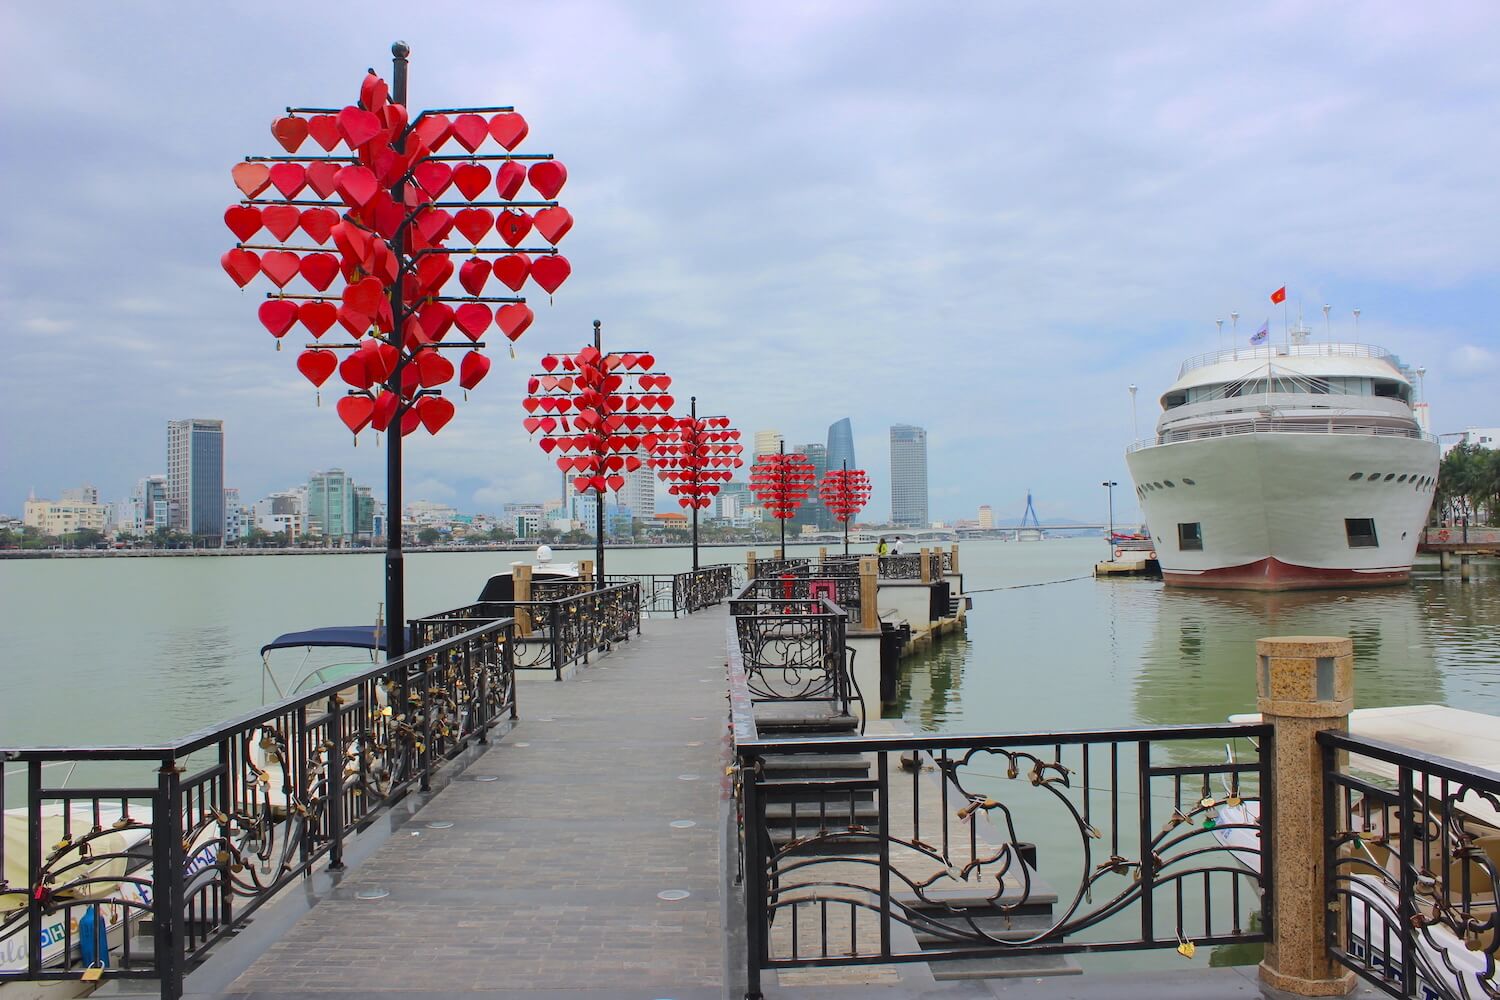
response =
{"points": [[1279, 296]]}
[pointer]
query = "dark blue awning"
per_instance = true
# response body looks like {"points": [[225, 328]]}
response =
{"points": [[351, 636]]}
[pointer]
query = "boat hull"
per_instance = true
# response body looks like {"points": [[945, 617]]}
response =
{"points": [[1272, 508]]}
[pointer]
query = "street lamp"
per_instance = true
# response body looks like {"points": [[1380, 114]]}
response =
{"points": [[1135, 430], [1110, 484]]}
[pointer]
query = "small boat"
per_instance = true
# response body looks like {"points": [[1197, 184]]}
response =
{"points": [[502, 586]]}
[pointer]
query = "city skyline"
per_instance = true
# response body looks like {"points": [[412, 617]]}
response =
{"points": [[1117, 239]]}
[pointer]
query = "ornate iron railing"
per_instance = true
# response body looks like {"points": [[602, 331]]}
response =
{"points": [[1412, 868], [682, 593], [797, 657], [197, 834], [907, 566], [798, 593], [1141, 831], [776, 567]]}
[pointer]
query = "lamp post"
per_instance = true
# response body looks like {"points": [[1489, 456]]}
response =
{"points": [[1110, 484], [1135, 430]]}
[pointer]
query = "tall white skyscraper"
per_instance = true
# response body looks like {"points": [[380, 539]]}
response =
{"points": [[195, 478], [909, 476], [639, 493]]}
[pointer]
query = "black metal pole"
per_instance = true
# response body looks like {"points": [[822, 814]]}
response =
{"points": [[781, 488], [395, 570], [599, 494], [844, 484], [692, 443], [1110, 484]]}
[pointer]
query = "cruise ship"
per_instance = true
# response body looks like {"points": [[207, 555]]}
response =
{"points": [[1287, 467]]}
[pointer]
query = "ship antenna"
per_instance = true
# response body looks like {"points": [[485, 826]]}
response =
{"points": [[1356, 324], [1327, 323], [1220, 324]]}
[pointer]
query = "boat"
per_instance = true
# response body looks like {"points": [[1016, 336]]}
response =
{"points": [[1287, 467]]}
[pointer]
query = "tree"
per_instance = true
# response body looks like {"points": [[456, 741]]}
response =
{"points": [[83, 538], [429, 536]]}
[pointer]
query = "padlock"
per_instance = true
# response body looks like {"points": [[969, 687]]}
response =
{"points": [[1207, 802], [93, 973], [1187, 949], [1232, 801]]}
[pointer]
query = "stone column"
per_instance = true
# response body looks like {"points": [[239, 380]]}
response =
{"points": [[955, 559], [1465, 570], [520, 575], [869, 593], [926, 566], [1445, 560], [586, 570], [822, 553], [750, 565], [1306, 684]]}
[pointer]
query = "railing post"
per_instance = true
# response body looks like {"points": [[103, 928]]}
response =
{"points": [[869, 590], [520, 575], [555, 609], [167, 877], [586, 569], [822, 554], [954, 569], [755, 880], [333, 768], [1305, 684], [926, 566], [750, 565]]}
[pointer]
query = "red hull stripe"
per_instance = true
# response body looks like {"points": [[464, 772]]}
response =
{"points": [[1273, 574]]}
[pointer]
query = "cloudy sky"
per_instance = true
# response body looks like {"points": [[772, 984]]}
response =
{"points": [[986, 219]]}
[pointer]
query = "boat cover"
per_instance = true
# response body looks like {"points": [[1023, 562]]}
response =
{"points": [[351, 636]]}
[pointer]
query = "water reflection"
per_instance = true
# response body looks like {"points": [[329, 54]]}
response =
{"points": [[930, 693]]}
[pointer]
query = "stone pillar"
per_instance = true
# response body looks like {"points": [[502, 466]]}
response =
{"points": [[750, 565], [780, 553], [926, 566], [586, 570], [520, 575], [822, 553], [1465, 568], [1445, 561], [869, 593], [1306, 684], [955, 559]]}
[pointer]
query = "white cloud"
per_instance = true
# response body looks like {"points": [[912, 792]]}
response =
{"points": [[1471, 361]]}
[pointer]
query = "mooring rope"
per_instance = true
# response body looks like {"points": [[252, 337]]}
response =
{"points": [[1022, 586]]}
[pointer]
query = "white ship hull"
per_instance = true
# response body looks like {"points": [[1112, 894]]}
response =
{"points": [[1272, 507]]}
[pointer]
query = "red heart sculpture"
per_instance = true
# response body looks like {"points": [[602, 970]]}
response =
{"points": [[433, 369], [474, 223], [473, 369], [355, 412], [354, 371], [364, 296], [356, 185], [471, 179], [509, 177], [508, 129], [548, 177], [436, 319], [388, 215], [277, 315], [289, 178], [432, 273], [324, 130], [434, 411], [554, 223], [319, 269], [473, 275], [434, 130], [358, 126], [280, 266], [280, 220], [242, 220], [513, 319], [380, 358], [473, 318], [513, 226], [373, 92], [471, 131], [317, 365], [549, 362], [434, 224], [251, 178], [356, 322], [512, 270], [322, 177], [645, 361], [317, 316], [433, 176], [393, 117], [317, 223], [410, 421], [384, 410], [551, 271], [615, 483]]}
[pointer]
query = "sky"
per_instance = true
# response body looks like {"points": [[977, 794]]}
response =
{"points": [[984, 219]]}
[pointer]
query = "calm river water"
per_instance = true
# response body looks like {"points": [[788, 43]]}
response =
{"points": [[102, 651]]}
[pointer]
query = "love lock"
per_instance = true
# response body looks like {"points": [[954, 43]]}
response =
{"points": [[1186, 949]]}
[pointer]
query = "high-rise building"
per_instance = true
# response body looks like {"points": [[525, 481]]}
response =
{"points": [[150, 505], [364, 512], [195, 478], [908, 476], [80, 494], [812, 513], [767, 443], [638, 495], [986, 517], [235, 522], [330, 507], [841, 445]]}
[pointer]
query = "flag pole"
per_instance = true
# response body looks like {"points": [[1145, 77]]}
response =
{"points": [[1286, 316]]}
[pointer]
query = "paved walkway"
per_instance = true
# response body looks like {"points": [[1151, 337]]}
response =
{"points": [[605, 795]]}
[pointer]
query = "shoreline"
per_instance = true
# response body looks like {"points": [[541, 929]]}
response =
{"points": [[370, 551]]}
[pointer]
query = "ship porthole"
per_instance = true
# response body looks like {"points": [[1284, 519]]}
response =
{"points": [[1401, 478], [1169, 484], [1389, 476], [1188, 482], [1374, 477], [1356, 475], [1156, 486]]}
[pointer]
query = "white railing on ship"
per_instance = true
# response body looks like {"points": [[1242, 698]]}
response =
{"points": [[1299, 401], [1273, 351], [1280, 427]]}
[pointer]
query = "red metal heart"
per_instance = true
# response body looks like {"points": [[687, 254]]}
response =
{"points": [[513, 319], [473, 369], [388, 215], [317, 223], [512, 270], [324, 130], [384, 411], [411, 420], [531, 404], [509, 177], [356, 322], [393, 117], [242, 220], [373, 92], [434, 130], [645, 361], [548, 177], [549, 362], [513, 227], [551, 271], [432, 273], [364, 296], [354, 371], [317, 365], [322, 177], [251, 178], [473, 275], [280, 266], [474, 223], [319, 269], [433, 369], [473, 318], [554, 223], [356, 185], [433, 176], [358, 126], [277, 316], [508, 129], [355, 412], [435, 411], [615, 483], [289, 178], [436, 319], [317, 316], [470, 131], [471, 179], [290, 132], [380, 358], [280, 220], [434, 224]]}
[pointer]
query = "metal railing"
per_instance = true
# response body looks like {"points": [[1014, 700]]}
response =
{"points": [[1282, 427], [1273, 351], [1411, 868], [1305, 403], [906, 566], [801, 656], [955, 840], [198, 833], [777, 567], [702, 588], [790, 594]]}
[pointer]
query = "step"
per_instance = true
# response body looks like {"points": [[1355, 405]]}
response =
{"points": [[1040, 900], [838, 842], [838, 813], [1006, 967], [816, 765], [1015, 927], [806, 727]]}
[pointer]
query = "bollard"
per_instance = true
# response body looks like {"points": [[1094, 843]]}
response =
{"points": [[1445, 561], [955, 569], [1465, 570], [926, 566], [586, 570], [520, 574], [869, 593], [780, 553], [1305, 684], [750, 565]]}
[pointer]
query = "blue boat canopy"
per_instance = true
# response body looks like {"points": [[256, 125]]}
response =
{"points": [[352, 636]]}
